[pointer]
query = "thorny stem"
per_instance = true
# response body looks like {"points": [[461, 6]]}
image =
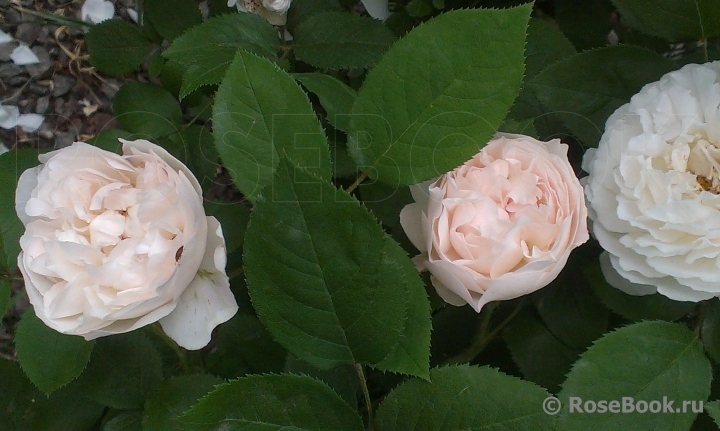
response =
{"points": [[174, 346], [357, 182], [366, 394], [483, 337]]}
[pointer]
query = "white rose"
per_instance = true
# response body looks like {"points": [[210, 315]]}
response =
{"points": [[500, 226], [113, 243], [653, 188], [274, 11]]}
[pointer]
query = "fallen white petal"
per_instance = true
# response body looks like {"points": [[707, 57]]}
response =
{"points": [[97, 10], [377, 9], [23, 55], [30, 122], [132, 13], [9, 116], [4, 37], [3, 149]]}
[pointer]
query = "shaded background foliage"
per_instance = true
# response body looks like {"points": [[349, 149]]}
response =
{"points": [[321, 135]]}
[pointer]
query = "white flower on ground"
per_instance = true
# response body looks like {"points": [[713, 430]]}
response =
{"points": [[97, 11], [274, 11], [4, 37], [654, 188], [22, 55], [377, 9], [500, 226], [113, 243]]}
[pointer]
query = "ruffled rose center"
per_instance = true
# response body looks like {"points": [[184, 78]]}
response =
{"points": [[126, 227]]}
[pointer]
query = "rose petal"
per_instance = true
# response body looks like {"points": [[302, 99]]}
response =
{"points": [[208, 300]]}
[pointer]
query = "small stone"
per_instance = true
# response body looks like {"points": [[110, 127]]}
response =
{"points": [[43, 103], [9, 69], [64, 139], [38, 89], [16, 81], [28, 32], [6, 49], [58, 108], [42, 69], [62, 84]]}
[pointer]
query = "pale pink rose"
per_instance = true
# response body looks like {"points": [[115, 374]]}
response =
{"points": [[113, 243], [500, 226]]}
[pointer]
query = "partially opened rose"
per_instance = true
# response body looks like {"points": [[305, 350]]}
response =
{"points": [[654, 188], [113, 243], [500, 226]]}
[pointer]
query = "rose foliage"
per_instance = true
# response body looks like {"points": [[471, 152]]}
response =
{"points": [[372, 215]]}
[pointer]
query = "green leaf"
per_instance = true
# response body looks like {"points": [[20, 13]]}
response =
{"points": [[647, 307], [546, 45], [116, 47], [710, 333], [585, 23], [540, 356], [203, 159], [125, 421], [244, 346], [335, 96], [24, 408], [385, 201], [585, 89], [438, 95], [420, 8], [674, 20], [338, 40], [272, 402], [171, 398], [464, 397], [233, 217], [50, 359], [147, 110], [354, 290], [209, 48], [12, 165], [645, 361], [170, 21], [5, 290], [343, 379], [108, 140], [570, 309], [713, 409], [300, 10], [122, 369], [260, 112]]}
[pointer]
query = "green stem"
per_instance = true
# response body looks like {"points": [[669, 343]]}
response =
{"points": [[182, 356], [366, 394], [483, 337], [357, 182]]}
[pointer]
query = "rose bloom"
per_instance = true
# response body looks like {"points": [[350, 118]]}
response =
{"points": [[500, 226], [653, 189], [274, 11], [113, 243]]}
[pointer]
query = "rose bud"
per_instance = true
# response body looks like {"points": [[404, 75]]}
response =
{"points": [[113, 243], [500, 226], [654, 188]]}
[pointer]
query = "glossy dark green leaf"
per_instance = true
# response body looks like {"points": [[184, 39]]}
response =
{"points": [[116, 47], [272, 402], [171, 21], [438, 95], [354, 292], [147, 110], [337, 40], [173, 397], [259, 113], [674, 20], [335, 96], [464, 397]]}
